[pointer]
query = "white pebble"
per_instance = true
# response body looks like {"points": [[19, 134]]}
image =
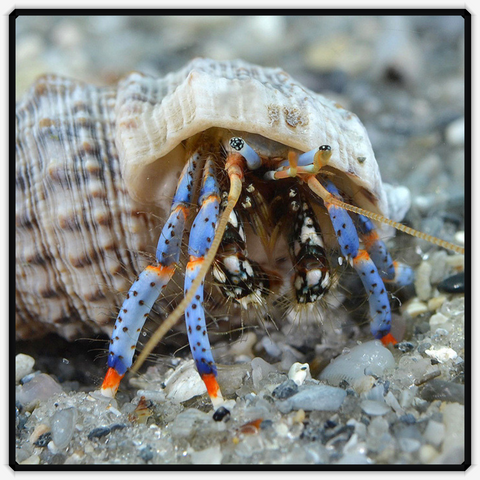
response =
{"points": [[436, 302], [184, 383], [392, 402], [422, 281], [63, 425], [373, 407], [37, 390], [442, 354], [314, 397], [351, 365], [460, 237], [364, 384], [438, 319], [455, 132], [23, 366], [434, 433], [260, 371], [416, 308], [299, 372], [427, 454]]}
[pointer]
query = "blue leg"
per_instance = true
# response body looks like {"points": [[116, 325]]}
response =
{"points": [[391, 271], [201, 237], [145, 290], [365, 267]]}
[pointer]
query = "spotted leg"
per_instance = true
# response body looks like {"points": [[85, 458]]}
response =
{"points": [[146, 289], [239, 278], [311, 279], [365, 267], [391, 271], [201, 237]]}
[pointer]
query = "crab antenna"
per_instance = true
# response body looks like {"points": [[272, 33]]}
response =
{"points": [[320, 190], [235, 172]]}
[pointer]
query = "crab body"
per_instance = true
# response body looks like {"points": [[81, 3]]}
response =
{"points": [[94, 164]]}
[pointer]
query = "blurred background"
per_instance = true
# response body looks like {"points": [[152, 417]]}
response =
{"points": [[402, 75]]}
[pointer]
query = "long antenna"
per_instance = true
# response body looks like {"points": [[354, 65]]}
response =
{"points": [[321, 191]]}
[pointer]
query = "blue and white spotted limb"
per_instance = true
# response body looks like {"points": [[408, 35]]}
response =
{"points": [[201, 237], [365, 267], [146, 289]]}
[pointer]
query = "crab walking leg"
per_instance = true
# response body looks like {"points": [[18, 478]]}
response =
{"points": [[311, 278], [349, 244], [146, 289], [320, 190], [391, 271], [201, 237], [234, 167], [239, 278]]}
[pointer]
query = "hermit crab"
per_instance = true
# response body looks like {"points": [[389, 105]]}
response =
{"points": [[248, 145]]}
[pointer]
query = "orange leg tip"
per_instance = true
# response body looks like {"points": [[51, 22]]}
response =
{"points": [[111, 383], [389, 339], [211, 383]]}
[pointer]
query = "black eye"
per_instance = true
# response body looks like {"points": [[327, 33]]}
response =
{"points": [[237, 143], [325, 148]]}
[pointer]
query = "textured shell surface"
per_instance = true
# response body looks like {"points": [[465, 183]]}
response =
{"points": [[155, 115], [96, 168]]}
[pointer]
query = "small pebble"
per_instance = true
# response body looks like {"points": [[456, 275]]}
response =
{"points": [[63, 426], [117, 426], [404, 347], [299, 372], [43, 440], [422, 281], [373, 407], [184, 383], [408, 419], [351, 365], [98, 432], [37, 390], [146, 453], [436, 302], [453, 284], [314, 397], [442, 390], [40, 430], [260, 371], [23, 366], [427, 454], [455, 132], [220, 414], [434, 433], [459, 237], [285, 390], [442, 354], [415, 308]]}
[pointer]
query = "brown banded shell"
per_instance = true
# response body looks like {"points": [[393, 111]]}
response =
{"points": [[96, 166]]}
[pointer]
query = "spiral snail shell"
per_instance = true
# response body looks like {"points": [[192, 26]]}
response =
{"points": [[96, 167]]}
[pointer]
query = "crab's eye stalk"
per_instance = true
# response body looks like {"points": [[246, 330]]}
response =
{"points": [[318, 157], [247, 152]]}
